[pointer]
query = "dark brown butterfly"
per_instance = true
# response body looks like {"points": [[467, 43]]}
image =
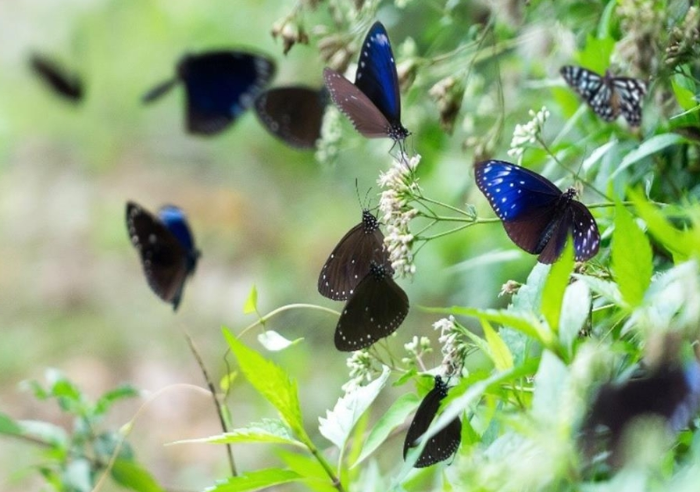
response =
{"points": [[351, 259], [166, 246], [375, 310], [67, 85], [444, 443]]}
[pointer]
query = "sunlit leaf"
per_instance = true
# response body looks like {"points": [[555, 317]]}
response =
{"points": [[274, 342], [554, 287], [266, 431], [251, 303], [575, 310], [122, 392], [9, 426], [315, 476], [649, 147], [256, 480], [631, 258], [502, 358], [133, 476]]}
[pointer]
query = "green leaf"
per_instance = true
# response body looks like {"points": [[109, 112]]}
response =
{"points": [[502, 358], [267, 431], [44, 431], [338, 423], [308, 467], [631, 258], [395, 416], [574, 313], [596, 55], [111, 397], [256, 480], [274, 342], [529, 296], [9, 426], [684, 96], [251, 304], [649, 147], [133, 476], [557, 280], [227, 381], [271, 382], [551, 382], [605, 288], [77, 476]]}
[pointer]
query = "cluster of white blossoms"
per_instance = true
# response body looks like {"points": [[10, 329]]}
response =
{"points": [[363, 369], [526, 135], [399, 186], [416, 348], [451, 347]]}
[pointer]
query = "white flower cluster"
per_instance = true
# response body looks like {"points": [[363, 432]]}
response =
{"points": [[451, 359], [527, 134], [362, 367], [398, 185], [416, 348]]}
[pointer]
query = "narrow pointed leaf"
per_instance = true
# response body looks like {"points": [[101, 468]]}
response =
{"points": [[256, 480], [631, 258], [554, 287]]}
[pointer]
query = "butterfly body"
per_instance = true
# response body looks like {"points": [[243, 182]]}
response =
{"points": [[351, 259], [166, 247], [69, 86], [608, 96], [443, 444], [375, 310], [294, 114], [373, 102], [219, 85], [536, 215]]}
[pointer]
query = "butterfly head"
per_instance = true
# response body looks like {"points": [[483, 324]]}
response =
{"points": [[378, 271], [441, 386], [369, 222]]}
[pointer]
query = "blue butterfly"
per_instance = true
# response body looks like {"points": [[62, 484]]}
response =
{"points": [[373, 102], [166, 246], [536, 215], [220, 86]]}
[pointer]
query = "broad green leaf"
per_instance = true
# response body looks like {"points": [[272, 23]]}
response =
{"points": [[266, 431], [631, 258], [315, 477], [395, 416], [649, 147], [596, 55], [338, 423], [529, 296], [605, 288], [502, 358], [251, 304], [574, 313], [551, 380], [272, 382], [684, 96], [45, 431], [133, 476], [557, 280], [256, 480], [9, 426], [274, 342], [120, 393]]}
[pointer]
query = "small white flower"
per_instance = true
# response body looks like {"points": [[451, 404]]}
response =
{"points": [[526, 135], [451, 348]]}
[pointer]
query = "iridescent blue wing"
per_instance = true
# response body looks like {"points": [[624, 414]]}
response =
{"points": [[220, 86], [352, 258], [443, 444], [165, 261], [376, 74], [293, 114], [584, 231], [630, 93], [67, 85], [374, 311], [175, 221]]}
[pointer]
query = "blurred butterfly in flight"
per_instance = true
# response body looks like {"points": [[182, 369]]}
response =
{"points": [[166, 246], [443, 444], [293, 114], [671, 392], [373, 102], [375, 309], [536, 215], [219, 87], [352, 258], [608, 96], [66, 85]]}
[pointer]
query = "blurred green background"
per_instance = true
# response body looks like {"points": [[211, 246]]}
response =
{"points": [[72, 293]]}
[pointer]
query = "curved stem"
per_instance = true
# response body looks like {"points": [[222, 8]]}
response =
{"points": [[264, 319], [446, 205], [325, 465]]}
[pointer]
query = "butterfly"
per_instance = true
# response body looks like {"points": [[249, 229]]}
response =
{"points": [[351, 259], [443, 444], [373, 102], [219, 85], [62, 83], [671, 392], [536, 215], [375, 310], [608, 96], [293, 114], [166, 246]]}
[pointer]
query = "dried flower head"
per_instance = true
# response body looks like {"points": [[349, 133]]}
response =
{"points": [[684, 43], [509, 288], [448, 94], [641, 21], [291, 31]]}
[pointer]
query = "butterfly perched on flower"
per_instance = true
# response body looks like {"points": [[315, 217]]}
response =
{"points": [[293, 114], [375, 310], [166, 246], [66, 85], [351, 259], [219, 86], [373, 102], [537, 216], [445, 442], [608, 96]]}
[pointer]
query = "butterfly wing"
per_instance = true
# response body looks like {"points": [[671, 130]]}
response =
{"points": [[376, 74], [220, 86], [584, 231], [594, 89], [374, 311], [164, 260], [352, 258], [62, 83], [630, 93], [443, 444], [293, 114], [158, 91], [353, 103]]}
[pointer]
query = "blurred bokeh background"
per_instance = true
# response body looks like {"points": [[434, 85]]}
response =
{"points": [[72, 293]]}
